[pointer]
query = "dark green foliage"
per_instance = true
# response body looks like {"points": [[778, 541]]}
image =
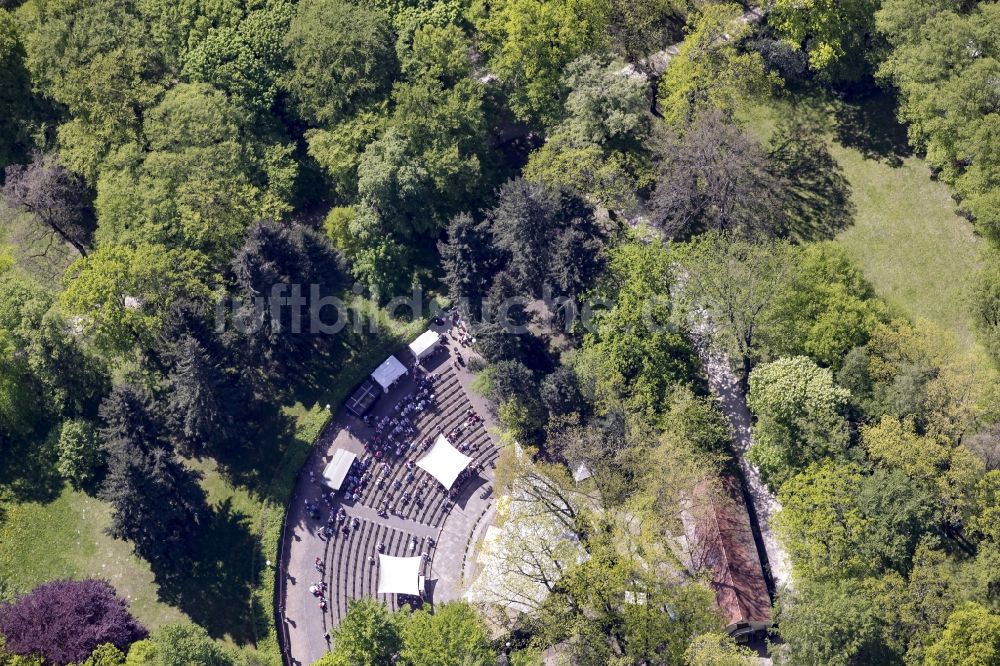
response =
{"points": [[833, 623], [560, 392], [548, 238], [158, 505], [247, 60], [196, 409], [289, 262], [468, 262], [511, 379], [15, 92]]}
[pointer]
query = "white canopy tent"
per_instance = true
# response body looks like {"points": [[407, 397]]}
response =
{"points": [[337, 468], [424, 346], [387, 373], [444, 462], [399, 575]]}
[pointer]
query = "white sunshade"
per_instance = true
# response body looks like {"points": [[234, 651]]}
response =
{"points": [[337, 468], [425, 344], [444, 462], [387, 373], [399, 575]]}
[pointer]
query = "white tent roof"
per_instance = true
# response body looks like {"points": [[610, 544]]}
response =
{"points": [[337, 468], [582, 473], [444, 462], [387, 373], [399, 575], [425, 344]]}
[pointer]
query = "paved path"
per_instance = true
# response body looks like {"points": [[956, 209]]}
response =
{"points": [[763, 504], [347, 567]]}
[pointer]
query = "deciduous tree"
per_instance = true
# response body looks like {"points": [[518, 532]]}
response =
{"points": [[65, 620], [800, 418], [342, 58]]}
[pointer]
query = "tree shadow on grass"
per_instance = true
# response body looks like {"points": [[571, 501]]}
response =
{"points": [[866, 121], [215, 589], [816, 195]]}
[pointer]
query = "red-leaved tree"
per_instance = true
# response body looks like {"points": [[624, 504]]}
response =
{"points": [[65, 620]]}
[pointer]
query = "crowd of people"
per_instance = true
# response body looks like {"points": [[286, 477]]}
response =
{"points": [[392, 440]]}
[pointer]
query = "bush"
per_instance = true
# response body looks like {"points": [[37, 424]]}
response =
{"points": [[179, 645], [65, 621], [79, 452]]}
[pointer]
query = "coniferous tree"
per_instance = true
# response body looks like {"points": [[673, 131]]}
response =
{"points": [[157, 503]]}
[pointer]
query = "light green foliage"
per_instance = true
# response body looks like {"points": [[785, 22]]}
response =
{"points": [[202, 181], [179, 645], [245, 61], [838, 522], [378, 260], [43, 372], [604, 104], [637, 354], [836, 34], [105, 654], [438, 52], [799, 417], [948, 471], [427, 165], [342, 59], [79, 452], [826, 309], [820, 523], [971, 638], [986, 521], [736, 280], [916, 609], [455, 635], [96, 59], [944, 60], [338, 150], [598, 148], [710, 72], [444, 130], [918, 371], [986, 304], [123, 294], [531, 41], [718, 649], [367, 636]]}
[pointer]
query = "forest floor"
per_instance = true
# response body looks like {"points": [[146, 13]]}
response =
{"points": [[59, 533], [907, 237]]}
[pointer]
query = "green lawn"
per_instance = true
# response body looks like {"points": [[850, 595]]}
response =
{"points": [[906, 237], [909, 242], [230, 588], [65, 539]]}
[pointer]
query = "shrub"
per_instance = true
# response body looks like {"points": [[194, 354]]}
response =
{"points": [[79, 452]]}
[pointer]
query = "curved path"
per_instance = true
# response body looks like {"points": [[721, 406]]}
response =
{"points": [[439, 526]]}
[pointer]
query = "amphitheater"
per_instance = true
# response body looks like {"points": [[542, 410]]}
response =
{"points": [[348, 533]]}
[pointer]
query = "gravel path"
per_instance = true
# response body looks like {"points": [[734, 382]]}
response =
{"points": [[763, 504]]}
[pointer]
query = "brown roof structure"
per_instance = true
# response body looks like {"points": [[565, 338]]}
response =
{"points": [[726, 546]]}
